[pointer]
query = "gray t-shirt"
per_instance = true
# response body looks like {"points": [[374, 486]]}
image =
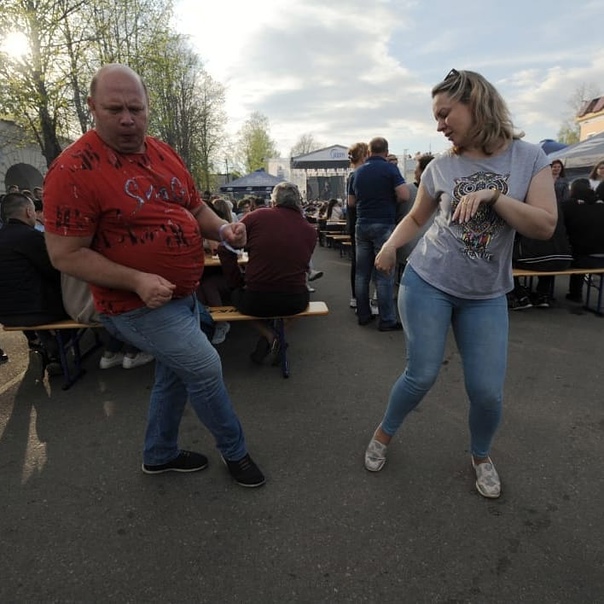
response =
{"points": [[474, 260]]}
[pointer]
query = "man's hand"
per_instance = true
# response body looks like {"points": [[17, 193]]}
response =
{"points": [[153, 290], [235, 234]]}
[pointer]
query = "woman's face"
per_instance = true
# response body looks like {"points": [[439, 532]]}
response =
{"points": [[556, 169], [600, 171], [453, 119]]}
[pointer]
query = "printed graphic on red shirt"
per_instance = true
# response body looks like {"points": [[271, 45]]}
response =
{"points": [[137, 209]]}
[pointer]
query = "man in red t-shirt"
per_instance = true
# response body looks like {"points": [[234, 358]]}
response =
{"points": [[123, 214]]}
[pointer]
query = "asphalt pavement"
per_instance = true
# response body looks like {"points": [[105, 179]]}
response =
{"points": [[80, 522]]}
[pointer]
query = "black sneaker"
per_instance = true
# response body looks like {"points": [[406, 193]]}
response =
{"points": [[542, 301], [519, 303], [578, 298], [364, 322], [245, 472], [187, 461], [395, 327], [261, 351]]}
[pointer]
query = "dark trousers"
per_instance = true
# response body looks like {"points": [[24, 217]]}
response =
{"points": [[575, 282]]}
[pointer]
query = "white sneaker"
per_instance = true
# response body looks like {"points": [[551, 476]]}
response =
{"points": [[312, 290], [142, 358], [312, 275], [353, 302], [111, 359], [374, 308], [488, 483], [220, 332], [375, 455]]}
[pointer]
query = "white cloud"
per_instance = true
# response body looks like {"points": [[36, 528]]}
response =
{"points": [[350, 72]]}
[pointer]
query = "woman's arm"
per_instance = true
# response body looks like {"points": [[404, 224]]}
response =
{"points": [[535, 218], [406, 230]]}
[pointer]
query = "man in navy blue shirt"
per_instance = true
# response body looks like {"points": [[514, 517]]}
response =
{"points": [[376, 188]]}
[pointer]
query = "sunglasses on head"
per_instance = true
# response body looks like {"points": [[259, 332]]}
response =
{"points": [[452, 74]]}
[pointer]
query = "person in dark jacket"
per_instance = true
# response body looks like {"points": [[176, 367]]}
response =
{"points": [[30, 285], [584, 220]]}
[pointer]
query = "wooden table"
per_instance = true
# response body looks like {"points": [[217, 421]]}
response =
{"points": [[215, 260]]}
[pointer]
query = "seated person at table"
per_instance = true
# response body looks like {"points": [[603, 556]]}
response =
{"points": [[213, 289], [280, 243], [30, 285], [79, 305], [584, 220], [550, 255], [335, 212]]}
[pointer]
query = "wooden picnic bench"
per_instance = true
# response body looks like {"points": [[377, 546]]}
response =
{"points": [[69, 334], [230, 313], [594, 296]]}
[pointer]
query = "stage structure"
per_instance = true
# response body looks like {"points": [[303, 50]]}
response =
{"points": [[325, 172]]}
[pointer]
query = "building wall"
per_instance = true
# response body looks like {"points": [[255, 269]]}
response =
{"points": [[591, 124], [21, 163]]}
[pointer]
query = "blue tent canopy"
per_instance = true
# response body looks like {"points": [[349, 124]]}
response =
{"points": [[258, 182], [550, 146]]}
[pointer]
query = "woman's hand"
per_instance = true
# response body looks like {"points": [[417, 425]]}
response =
{"points": [[468, 205], [385, 261]]}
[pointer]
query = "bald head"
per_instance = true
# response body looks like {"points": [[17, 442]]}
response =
{"points": [[113, 69], [119, 104]]}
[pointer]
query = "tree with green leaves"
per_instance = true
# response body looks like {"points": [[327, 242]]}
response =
{"points": [[255, 144], [305, 144], [45, 92]]}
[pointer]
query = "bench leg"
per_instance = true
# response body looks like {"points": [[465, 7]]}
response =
{"points": [[72, 341], [279, 328]]}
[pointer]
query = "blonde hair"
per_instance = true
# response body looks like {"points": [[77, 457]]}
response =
{"points": [[358, 152], [594, 171], [492, 120]]}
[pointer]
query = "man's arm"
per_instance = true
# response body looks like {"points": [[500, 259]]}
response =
{"points": [[214, 227], [72, 255], [402, 193]]}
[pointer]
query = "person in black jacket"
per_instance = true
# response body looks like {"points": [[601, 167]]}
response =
{"points": [[584, 220], [30, 285]]}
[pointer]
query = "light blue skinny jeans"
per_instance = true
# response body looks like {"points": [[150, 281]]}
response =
{"points": [[369, 241], [480, 328], [187, 366]]}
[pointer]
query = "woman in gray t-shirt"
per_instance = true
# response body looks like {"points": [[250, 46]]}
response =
{"points": [[489, 185]]}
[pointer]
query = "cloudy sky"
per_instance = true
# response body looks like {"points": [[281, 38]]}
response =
{"points": [[349, 71]]}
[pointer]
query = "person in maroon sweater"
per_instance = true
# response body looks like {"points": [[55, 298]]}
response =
{"points": [[280, 243]]}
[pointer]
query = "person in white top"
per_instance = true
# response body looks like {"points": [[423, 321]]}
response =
{"points": [[596, 176]]}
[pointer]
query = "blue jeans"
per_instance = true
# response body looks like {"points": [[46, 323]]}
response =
{"points": [[481, 333], [369, 240], [187, 366]]}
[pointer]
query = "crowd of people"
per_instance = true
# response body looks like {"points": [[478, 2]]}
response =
{"points": [[577, 241], [447, 240]]}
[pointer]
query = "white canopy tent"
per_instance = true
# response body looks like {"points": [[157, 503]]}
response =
{"points": [[585, 154]]}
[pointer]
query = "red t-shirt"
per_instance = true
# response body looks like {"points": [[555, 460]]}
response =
{"points": [[137, 207]]}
